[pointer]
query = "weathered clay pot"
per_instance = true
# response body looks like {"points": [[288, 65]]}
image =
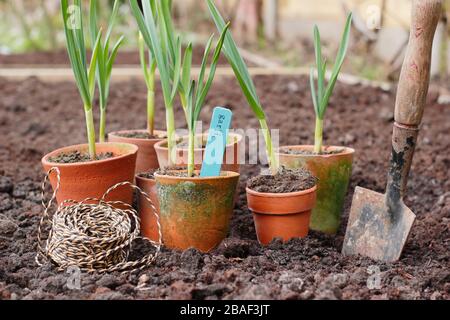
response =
{"points": [[149, 227], [231, 157], [83, 180], [146, 157], [333, 172], [196, 212], [281, 215]]}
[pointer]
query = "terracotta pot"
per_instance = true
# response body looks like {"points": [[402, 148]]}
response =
{"points": [[281, 215], [231, 158], [83, 180], [334, 173], [149, 228], [196, 212], [146, 157]]}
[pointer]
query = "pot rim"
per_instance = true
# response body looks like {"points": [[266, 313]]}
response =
{"points": [[229, 175], [115, 134], [133, 149], [160, 144], [280, 195], [346, 151]]}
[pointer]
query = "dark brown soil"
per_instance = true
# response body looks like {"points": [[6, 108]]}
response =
{"points": [[309, 152], [37, 117], [182, 144], [77, 157], [166, 171], [185, 145], [176, 174], [60, 57], [139, 135], [147, 175], [285, 181]]}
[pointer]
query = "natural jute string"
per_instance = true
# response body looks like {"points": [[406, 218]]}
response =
{"points": [[94, 237]]}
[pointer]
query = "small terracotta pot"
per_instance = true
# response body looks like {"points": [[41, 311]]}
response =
{"points": [[231, 157], [196, 212], [281, 215], [149, 227], [146, 157], [83, 180], [333, 172]]}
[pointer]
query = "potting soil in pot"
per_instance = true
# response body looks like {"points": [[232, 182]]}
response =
{"points": [[140, 135], [308, 152], [285, 181], [77, 156]]}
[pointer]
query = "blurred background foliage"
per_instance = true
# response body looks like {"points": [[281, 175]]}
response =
{"points": [[36, 25], [275, 32]]}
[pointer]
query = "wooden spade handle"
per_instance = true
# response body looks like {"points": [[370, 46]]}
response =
{"points": [[411, 97], [415, 75]]}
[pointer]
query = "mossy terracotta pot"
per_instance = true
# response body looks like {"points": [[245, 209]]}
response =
{"points": [[146, 157], [83, 180], [149, 227], [333, 172], [281, 215], [196, 212], [231, 158]]}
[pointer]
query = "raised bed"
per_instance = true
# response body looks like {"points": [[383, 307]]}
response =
{"points": [[36, 117], [60, 58]]}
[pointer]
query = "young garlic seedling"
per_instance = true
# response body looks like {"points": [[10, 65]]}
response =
{"points": [[246, 83], [166, 54], [149, 76], [84, 75], [322, 95], [105, 59], [193, 93]]}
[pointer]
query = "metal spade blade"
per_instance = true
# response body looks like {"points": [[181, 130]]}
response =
{"points": [[379, 224]]}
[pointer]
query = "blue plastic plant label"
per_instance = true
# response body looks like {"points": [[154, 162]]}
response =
{"points": [[217, 142]]}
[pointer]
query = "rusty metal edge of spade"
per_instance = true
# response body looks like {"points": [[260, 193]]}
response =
{"points": [[379, 224]]}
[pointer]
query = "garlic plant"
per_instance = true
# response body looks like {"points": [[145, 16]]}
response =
{"points": [[166, 54], [148, 69], [246, 83], [84, 74], [321, 95], [105, 59]]}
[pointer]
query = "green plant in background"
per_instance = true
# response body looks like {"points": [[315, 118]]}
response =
{"points": [[105, 59], [84, 75], [36, 33], [322, 95], [149, 76], [50, 26], [246, 83], [166, 53], [193, 93]]}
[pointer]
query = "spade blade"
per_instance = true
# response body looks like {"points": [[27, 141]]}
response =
{"points": [[375, 231]]}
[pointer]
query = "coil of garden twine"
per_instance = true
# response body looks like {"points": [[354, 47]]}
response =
{"points": [[94, 234]]}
